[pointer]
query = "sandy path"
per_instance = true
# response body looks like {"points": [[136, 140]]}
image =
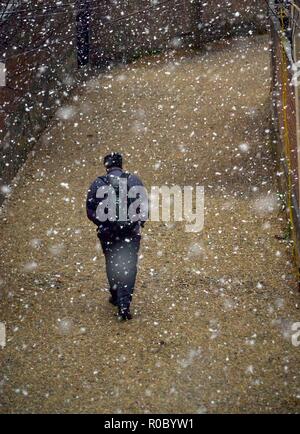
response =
{"points": [[213, 311]]}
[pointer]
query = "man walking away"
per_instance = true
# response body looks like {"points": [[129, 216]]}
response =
{"points": [[120, 239]]}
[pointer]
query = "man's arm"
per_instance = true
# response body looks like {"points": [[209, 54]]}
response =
{"points": [[91, 203]]}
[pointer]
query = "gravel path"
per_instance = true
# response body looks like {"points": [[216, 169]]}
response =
{"points": [[212, 311]]}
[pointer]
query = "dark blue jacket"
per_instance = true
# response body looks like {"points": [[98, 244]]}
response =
{"points": [[92, 201]]}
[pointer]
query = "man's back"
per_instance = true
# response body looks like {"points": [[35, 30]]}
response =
{"points": [[93, 201], [121, 252]]}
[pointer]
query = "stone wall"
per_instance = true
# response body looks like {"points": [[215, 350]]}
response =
{"points": [[39, 57]]}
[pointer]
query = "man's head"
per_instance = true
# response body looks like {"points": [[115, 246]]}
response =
{"points": [[114, 159]]}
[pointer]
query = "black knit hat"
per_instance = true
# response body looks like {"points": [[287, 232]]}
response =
{"points": [[114, 159]]}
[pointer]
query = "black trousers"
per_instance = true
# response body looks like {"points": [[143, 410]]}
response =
{"points": [[121, 256]]}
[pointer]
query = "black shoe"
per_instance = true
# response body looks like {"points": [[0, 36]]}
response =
{"points": [[124, 314], [113, 301]]}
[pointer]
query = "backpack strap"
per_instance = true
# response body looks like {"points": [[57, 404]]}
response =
{"points": [[104, 179]]}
